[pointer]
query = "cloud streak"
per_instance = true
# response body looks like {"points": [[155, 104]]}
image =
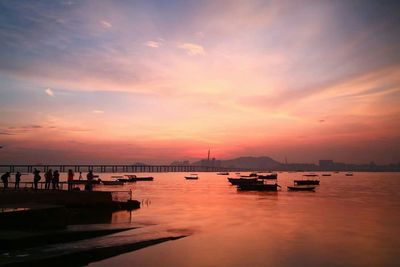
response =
{"points": [[153, 44], [105, 24], [49, 92], [192, 49]]}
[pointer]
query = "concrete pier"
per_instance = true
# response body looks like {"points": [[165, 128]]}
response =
{"points": [[113, 168]]}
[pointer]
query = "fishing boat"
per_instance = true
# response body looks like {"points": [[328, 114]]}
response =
{"points": [[192, 176], [238, 181], [223, 173], [306, 182], [112, 182], [258, 187], [271, 176], [349, 174], [301, 188], [127, 180], [253, 174], [134, 178]]}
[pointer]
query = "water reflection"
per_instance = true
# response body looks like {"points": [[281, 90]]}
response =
{"points": [[348, 221]]}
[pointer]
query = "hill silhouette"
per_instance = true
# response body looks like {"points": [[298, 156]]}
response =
{"points": [[254, 163]]}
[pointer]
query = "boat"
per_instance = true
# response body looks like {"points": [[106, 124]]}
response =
{"points": [[127, 180], [258, 187], [253, 174], [237, 181], [306, 182], [310, 175], [349, 174], [134, 178], [301, 188], [149, 178], [326, 174], [112, 183], [271, 176], [223, 173], [192, 176]]}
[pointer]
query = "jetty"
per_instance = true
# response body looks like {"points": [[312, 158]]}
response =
{"points": [[113, 168], [54, 207]]}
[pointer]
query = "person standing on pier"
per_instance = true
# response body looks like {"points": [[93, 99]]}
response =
{"points": [[56, 180], [17, 180], [4, 178], [70, 179], [80, 176], [36, 178], [48, 177], [90, 178]]}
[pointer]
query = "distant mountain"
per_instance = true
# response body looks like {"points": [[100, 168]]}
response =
{"points": [[258, 163]]}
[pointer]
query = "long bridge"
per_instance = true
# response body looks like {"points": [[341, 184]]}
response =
{"points": [[114, 168]]}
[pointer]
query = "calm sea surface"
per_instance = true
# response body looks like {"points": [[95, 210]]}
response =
{"points": [[348, 221]]}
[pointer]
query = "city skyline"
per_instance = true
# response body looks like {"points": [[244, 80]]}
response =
{"points": [[106, 81]]}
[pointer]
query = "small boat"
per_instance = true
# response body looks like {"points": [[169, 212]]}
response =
{"points": [[134, 178], [310, 175], [223, 173], [127, 180], [192, 176], [301, 188], [112, 183], [306, 182], [349, 174], [149, 178], [326, 174], [238, 181], [253, 174], [258, 187], [271, 176]]}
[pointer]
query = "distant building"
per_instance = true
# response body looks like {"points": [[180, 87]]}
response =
{"points": [[210, 163]]}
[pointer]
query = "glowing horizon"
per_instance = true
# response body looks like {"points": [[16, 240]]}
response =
{"points": [[107, 81]]}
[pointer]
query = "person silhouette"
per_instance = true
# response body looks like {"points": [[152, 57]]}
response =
{"points": [[36, 178], [89, 177], [70, 179], [4, 178], [56, 180], [48, 177], [17, 180]]}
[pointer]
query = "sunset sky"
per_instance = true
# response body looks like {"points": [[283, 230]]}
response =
{"points": [[157, 81]]}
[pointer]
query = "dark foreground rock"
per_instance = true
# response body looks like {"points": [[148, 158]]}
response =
{"points": [[84, 257]]}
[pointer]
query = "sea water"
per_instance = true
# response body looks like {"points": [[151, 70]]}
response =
{"points": [[347, 221]]}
